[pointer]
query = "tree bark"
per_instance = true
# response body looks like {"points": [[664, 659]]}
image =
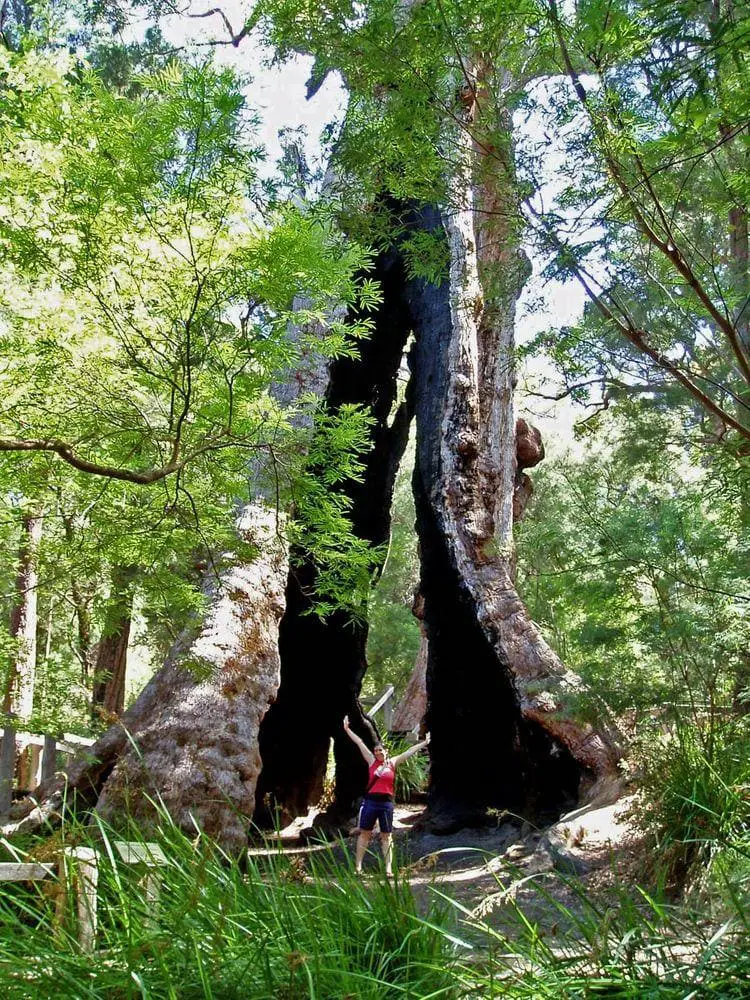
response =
{"points": [[18, 697], [81, 597], [189, 744], [504, 734], [108, 694], [410, 711]]}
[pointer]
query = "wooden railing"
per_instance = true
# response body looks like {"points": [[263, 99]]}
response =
{"points": [[78, 871], [28, 759], [385, 704]]}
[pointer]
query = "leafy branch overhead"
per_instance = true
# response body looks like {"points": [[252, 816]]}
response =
{"points": [[147, 287]]}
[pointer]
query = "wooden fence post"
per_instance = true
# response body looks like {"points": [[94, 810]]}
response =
{"points": [[388, 715], [49, 759], [151, 857], [86, 885], [7, 768]]}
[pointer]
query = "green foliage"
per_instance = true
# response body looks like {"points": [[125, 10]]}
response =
{"points": [[633, 560], [695, 801], [279, 927], [393, 637], [426, 255], [404, 69], [224, 932], [647, 206], [321, 527], [151, 296]]}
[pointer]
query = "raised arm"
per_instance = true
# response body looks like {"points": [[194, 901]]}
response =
{"points": [[411, 751], [363, 748]]}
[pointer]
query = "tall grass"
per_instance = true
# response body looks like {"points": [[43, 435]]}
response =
{"points": [[225, 933], [277, 927], [695, 800], [633, 948]]}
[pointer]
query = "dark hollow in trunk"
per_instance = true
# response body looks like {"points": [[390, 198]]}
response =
{"points": [[323, 661], [484, 754]]}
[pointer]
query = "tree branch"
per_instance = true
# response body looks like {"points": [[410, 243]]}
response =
{"points": [[141, 477]]}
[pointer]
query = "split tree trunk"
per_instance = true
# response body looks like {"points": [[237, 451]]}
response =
{"points": [[499, 700], [504, 735]]}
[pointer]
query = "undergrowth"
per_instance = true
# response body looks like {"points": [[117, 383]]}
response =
{"points": [[275, 927], [694, 803]]}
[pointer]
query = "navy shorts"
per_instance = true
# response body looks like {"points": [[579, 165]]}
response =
{"points": [[372, 810]]}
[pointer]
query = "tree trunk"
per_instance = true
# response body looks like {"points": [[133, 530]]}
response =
{"points": [[81, 597], [18, 697], [504, 733], [411, 709], [108, 694], [190, 741], [323, 661]]}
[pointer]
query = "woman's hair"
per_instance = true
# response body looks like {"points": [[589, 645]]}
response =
{"points": [[379, 746]]}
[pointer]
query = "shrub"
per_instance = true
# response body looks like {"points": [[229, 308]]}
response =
{"points": [[695, 797]]}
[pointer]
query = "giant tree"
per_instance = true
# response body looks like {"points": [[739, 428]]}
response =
{"points": [[426, 146]]}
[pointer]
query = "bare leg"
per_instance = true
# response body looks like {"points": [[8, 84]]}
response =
{"points": [[359, 852], [386, 846]]}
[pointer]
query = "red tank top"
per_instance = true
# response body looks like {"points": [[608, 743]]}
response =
{"points": [[380, 779]]}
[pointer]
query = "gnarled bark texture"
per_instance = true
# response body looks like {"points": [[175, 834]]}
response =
{"points": [[503, 734], [190, 741]]}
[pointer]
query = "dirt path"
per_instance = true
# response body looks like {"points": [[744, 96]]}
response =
{"points": [[482, 870]]}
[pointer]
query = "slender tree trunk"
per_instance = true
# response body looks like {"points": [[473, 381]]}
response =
{"points": [[81, 597], [410, 711], [108, 695], [19, 690]]}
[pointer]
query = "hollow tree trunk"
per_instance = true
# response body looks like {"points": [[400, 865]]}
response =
{"points": [[108, 694], [503, 733], [323, 661], [18, 696]]}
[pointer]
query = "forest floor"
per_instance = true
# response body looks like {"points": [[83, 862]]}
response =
{"points": [[592, 854]]}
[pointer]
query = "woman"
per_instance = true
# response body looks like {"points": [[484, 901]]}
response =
{"points": [[378, 801]]}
